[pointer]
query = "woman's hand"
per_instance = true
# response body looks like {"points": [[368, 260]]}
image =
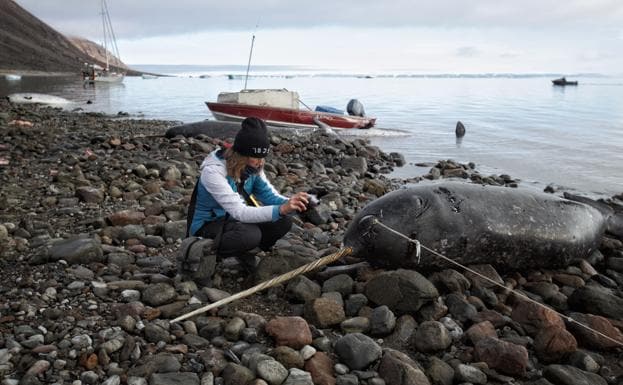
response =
{"points": [[297, 202]]}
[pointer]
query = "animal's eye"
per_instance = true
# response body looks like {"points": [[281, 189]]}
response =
{"points": [[417, 202]]}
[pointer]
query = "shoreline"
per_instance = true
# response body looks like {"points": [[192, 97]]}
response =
{"points": [[93, 212], [36, 73]]}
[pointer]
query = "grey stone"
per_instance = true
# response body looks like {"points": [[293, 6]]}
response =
{"points": [[77, 251], [354, 303], [298, 377], [341, 283], [440, 372], [159, 294], [357, 350], [156, 333], [382, 321], [397, 368], [401, 290], [355, 325], [131, 232], [174, 230], [347, 379], [569, 375], [234, 374], [431, 336], [272, 371], [460, 309], [596, 299], [357, 164], [468, 373], [181, 378], [303, 289]]}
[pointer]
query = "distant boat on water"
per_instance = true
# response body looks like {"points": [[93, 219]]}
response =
{"points": [[564, 82], [149, 76], [96, 74]]}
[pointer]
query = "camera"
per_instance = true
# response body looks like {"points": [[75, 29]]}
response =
{"points": [[312, 201]]}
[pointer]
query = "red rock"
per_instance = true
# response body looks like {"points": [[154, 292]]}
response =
{"points": [[480, 331], [139, 249], [552, 344], [90, 194], [114, 141], [133, 242], [502, 356], [43, 349], [180, 348], [126, 217], [497, 319], [321, 368], [152, 187], [38, 368], [154, 220], [533, 317], [399, 369], [89, 361], [289, 331], [324, 312], [592, 340], [151, 313]]}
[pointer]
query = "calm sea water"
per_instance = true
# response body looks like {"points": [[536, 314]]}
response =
{"points": [[571, 137]]}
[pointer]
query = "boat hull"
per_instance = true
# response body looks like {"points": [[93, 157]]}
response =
{"points": [[563, 82], [286, 117], [108, 78]]}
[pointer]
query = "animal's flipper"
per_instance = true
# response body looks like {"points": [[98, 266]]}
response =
{"points": [[614, 219]]}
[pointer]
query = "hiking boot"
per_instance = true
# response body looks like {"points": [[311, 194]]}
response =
{"points": [[248, 261]]}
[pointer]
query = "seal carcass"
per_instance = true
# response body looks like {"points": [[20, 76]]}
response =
{"points": [[510, 228]]}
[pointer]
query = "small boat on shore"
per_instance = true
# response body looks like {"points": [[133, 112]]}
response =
{"points": [[149, 76], [36, 98], [564, 82], [280, 107], [12, 77]]}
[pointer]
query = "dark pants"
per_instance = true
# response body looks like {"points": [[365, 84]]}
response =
{"points": [[238, 238]]}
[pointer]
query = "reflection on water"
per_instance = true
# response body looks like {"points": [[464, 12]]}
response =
{"points": [[90, 97], [520, 126]]}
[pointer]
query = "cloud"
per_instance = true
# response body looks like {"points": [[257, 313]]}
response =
{"points": [[467, 51], [510, 54], [144, 18], [418, 35]]}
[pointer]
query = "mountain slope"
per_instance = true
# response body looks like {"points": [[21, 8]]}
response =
{"points": [[27, 43], [97, 52]]}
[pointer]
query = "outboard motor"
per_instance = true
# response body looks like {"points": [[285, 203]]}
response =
{"points": [[355, 108]]}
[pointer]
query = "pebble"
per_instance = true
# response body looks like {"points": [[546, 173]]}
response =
{"points": [[90, 284]]}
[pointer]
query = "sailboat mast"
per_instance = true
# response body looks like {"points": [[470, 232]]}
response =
{"points": [[249, 63], [103, 6], [111, 32]]}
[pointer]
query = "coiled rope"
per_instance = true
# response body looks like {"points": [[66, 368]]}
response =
{"points": [[517, 293], [271, 282]]}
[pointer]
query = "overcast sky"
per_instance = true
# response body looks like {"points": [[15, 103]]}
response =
{"points": [[441, 36]]}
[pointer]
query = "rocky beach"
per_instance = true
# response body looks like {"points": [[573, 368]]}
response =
{"points": [[92, 215]]}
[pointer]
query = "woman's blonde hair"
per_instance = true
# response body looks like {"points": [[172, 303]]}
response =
{"points": [[235, 163]]}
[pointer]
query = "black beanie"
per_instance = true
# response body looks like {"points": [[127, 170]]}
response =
{"points": [[252, 139]]}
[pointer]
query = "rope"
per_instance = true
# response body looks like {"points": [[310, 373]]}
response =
{"points": [[517, 293], [271, 282]]}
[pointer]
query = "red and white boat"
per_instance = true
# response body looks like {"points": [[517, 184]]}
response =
{"points": [[280, 107]]}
